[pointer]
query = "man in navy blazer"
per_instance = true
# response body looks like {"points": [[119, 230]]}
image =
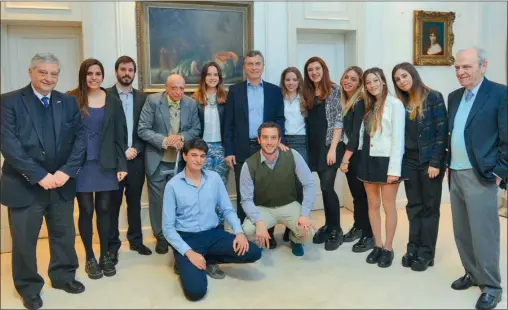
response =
{"points": [[248, 105], [477, 162], [43, 142]]}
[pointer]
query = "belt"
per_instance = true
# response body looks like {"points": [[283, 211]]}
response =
{"points": [[253, 142]]}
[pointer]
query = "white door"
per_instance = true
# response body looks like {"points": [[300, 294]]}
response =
{"points": [[19, 45]]}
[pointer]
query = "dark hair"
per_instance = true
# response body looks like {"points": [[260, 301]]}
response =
{"points": [[269, 124], [200, 94], [299, 90], [309, 89], [81, 92], [124, 60], [254, 53], [418, 92], [195, 144]]}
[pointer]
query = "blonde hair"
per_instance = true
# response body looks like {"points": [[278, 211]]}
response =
{"points": [[347, 104]]}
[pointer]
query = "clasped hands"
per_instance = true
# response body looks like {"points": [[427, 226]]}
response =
{"points": [[240, 246], [51, 181], [173, 140], [303, 223]]}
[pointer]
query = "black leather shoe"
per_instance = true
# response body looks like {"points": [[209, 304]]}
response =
{"points": [[334, 240], [92, 269], [421, 264], [32, 302], [374, 255], [141, 249], [114, 257], [273, 242], [162, 246], [321, 235], [286, 235], [488, 301], [353, 234], [107, 266], [71, 287], [363, 245], [408, 259], [463, 283], [386, 259]]}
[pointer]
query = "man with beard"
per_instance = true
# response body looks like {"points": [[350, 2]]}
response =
{"points": [[132, 102], [268, 187]]}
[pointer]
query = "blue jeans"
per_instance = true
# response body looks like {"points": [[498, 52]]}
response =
{"points": [[216, 245], [215, 161]]}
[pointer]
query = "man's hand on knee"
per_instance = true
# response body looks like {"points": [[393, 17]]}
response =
{"points": [[262, 236], [304, 225], [196, 259], [240, 244]]}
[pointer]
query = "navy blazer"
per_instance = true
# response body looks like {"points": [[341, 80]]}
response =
{"points": [[486, 132], [201, 114], [23, 149], [236, 117]]}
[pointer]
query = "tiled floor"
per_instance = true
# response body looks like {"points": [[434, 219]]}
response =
{"points": [[320, 279]]}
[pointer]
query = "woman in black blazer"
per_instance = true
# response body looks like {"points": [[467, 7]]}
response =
{"points": [[105, 163]]}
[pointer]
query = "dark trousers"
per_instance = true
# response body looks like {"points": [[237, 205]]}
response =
{"points": [[330, 199], [357, 189], [424, 200], [133, 187], [216, 246], [86, 208], [299, 144], [25, 224], [253, 148]]}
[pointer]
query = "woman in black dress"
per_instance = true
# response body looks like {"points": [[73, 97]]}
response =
{"points": [[381, 162], [324, 130], [353, 109], [424, 163], [105, 164]]}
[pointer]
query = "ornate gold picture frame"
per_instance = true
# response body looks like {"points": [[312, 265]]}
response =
{"points": [[433, 38]]}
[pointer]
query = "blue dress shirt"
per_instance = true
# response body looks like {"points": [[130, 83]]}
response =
{"points": [[128, 109], [255, 101], [188, 208]]}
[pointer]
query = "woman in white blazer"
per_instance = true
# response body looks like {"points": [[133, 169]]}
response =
{"points": [[381, 162]]}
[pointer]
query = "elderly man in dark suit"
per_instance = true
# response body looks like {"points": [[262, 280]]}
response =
{"points": [[167, 120], [478, 161], [43, 143], [248, 105], [132, 102]]}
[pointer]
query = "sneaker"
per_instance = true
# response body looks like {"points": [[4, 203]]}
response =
{"points": [[107, 266], [92, 269], [214, 272]]}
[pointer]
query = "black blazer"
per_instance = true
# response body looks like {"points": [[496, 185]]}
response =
{"points": [[201, 114], [486, 132], [352, 123], [23, 150], [236, 117], [139, 101]]}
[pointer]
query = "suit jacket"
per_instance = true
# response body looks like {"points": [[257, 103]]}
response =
{"points": [[486, 131], [23, 149], [201, 113], [139, 98], [154, 125], [236, 117]]}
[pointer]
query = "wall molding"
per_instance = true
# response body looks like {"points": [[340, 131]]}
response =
{"points": [[61, 6]]}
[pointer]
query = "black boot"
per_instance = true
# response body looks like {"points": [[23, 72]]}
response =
{"points": [[107, 266], [386, 259], [374, 255], [353, 234], [421, 264], [365, 244], [321, 235], [408, 259], [334, 240], [93, 269]]}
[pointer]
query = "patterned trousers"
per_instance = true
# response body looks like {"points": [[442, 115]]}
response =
{"points": [[215, 161]]}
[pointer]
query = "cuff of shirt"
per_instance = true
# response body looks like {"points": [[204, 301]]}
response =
{"points": [[306, 211], [237, 229], [497, 176], [183, 249], [338, 125]]}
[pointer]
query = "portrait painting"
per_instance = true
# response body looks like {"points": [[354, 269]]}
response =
{"points": [[180, 37], [433, 38]]}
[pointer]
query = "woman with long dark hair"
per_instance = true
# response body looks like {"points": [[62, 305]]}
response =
{"points": [[324, 131], [353, 109], [424, 162], [105, 164], [381, 162]]}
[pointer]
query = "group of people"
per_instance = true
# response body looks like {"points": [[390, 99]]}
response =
{"points": [[102, 143]]}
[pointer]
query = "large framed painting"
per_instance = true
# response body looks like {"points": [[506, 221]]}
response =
{"points": [[180, 37], [433, 38]]}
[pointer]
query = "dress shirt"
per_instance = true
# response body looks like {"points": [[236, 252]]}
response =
{"points": [[295, 123], [303, 174], [187, 208], [211, 132], [460, 160], [40, 96], [128, 108], [256, 101]]}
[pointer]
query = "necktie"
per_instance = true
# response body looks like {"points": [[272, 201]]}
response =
{"points": [[45, 101], [469, 95]]}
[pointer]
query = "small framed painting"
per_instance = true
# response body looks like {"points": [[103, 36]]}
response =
{"points": [[433, 38]]}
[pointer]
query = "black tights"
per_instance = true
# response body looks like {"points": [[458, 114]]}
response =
{"points": [[86, 208], [331, 202]]}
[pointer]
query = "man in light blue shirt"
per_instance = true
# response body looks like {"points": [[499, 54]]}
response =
{"points": [[189, 222]]}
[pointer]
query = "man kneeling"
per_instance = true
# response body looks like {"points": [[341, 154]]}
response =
{"points": [[268, 188], [190, 222]]}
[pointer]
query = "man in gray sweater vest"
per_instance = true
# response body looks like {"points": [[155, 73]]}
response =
{"points": [[268, 189]]}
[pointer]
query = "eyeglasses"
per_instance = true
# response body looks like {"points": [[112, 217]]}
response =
{"points": [[44, 74]]}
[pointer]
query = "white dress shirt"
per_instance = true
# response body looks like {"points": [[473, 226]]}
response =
{"points": [[295, 123]]}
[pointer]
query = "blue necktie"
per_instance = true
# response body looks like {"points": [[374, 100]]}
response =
{"points": [[469, 95], [45, 101]]}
